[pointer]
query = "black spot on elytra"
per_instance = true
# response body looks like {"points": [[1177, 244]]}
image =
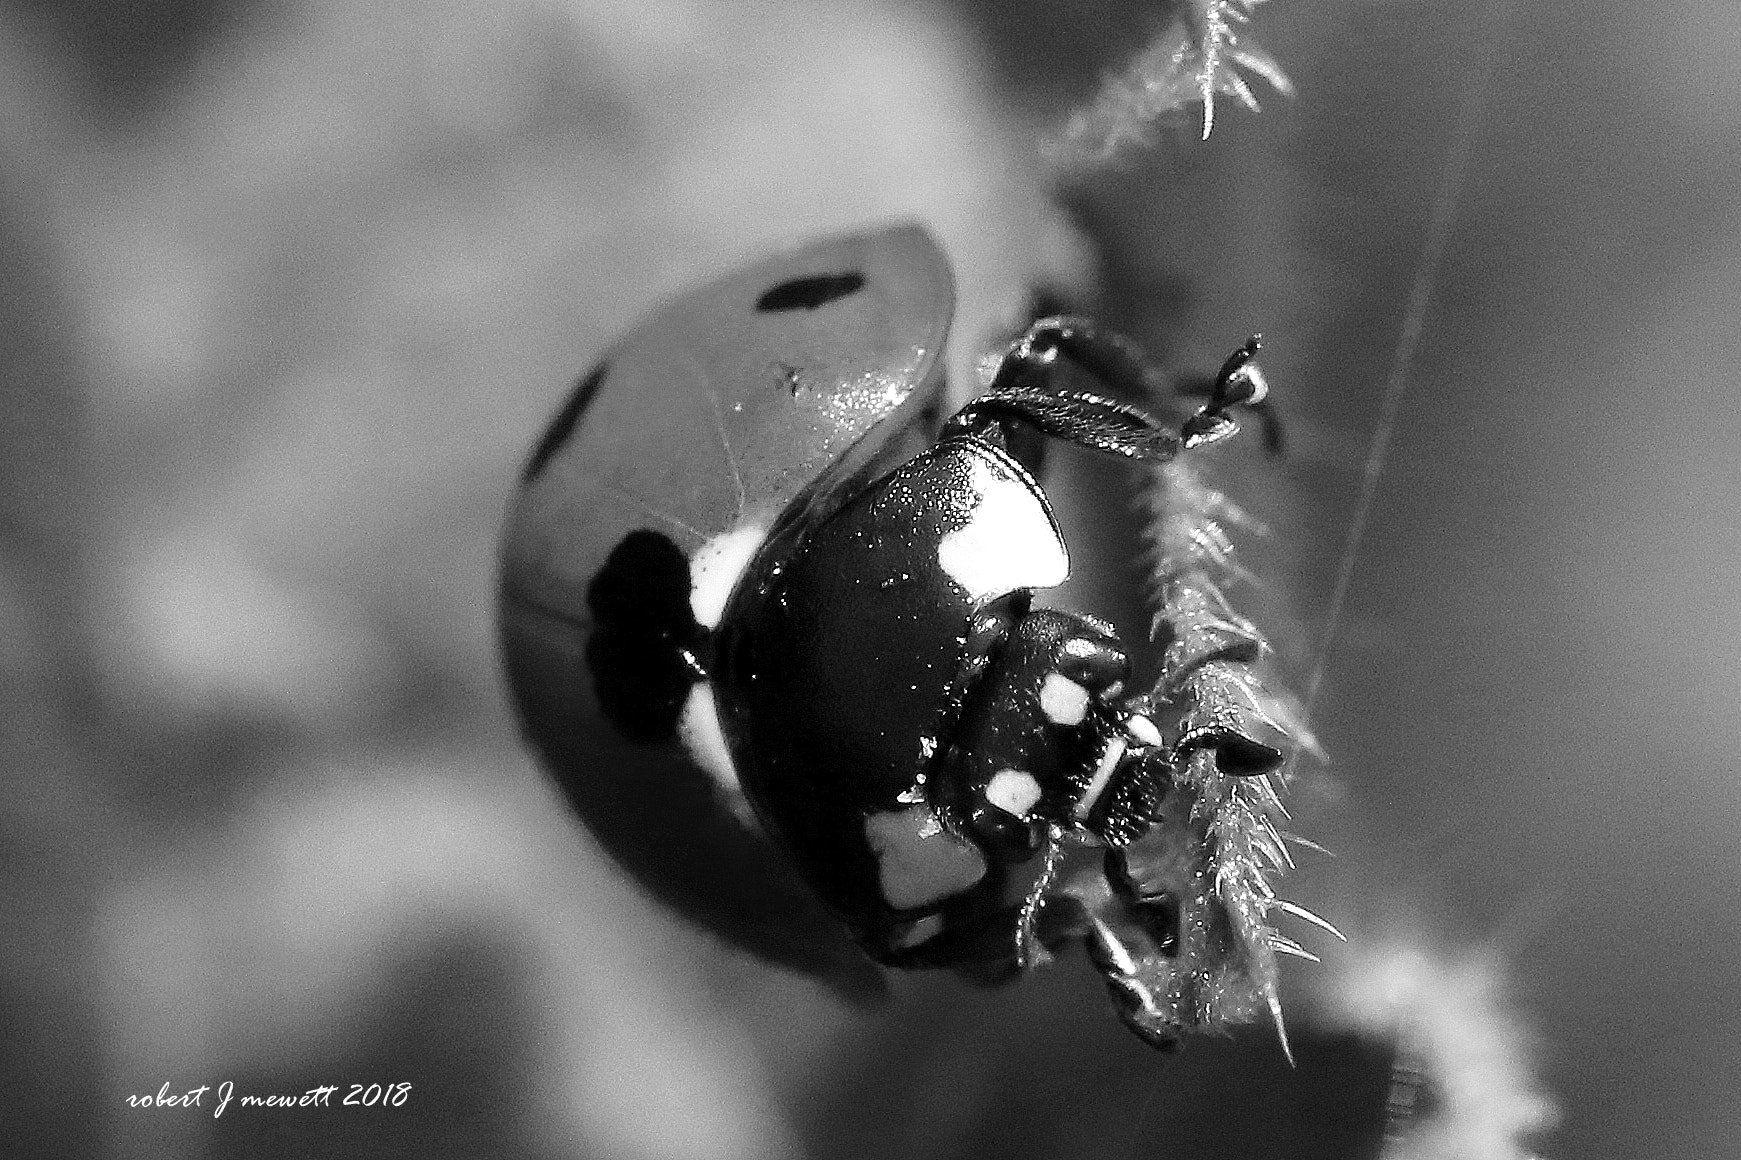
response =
{"points": [[562, 426], [809, 293], [642, 648]]}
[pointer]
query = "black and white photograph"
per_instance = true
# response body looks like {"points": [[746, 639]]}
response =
{"points": [[489, 487]]}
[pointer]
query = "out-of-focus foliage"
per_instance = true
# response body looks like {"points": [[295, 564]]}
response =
{"points": [[1196, 57]]}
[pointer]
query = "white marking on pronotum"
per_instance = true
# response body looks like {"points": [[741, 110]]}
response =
{"points": [[918, 863], [714, 572], [716, 568], [699, 730], [1013, 791], [1008, 541], [1062, 700], [1109, 759]]}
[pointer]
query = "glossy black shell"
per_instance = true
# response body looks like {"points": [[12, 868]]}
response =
{"points": [[841, 671]]}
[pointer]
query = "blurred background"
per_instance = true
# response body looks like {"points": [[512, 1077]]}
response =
{"points": [[290, 286]]}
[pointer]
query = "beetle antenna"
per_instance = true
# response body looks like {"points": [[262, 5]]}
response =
{"points": [[1027, 949]]}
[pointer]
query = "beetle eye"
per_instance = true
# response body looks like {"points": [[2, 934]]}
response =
{"points": [[809, 293], [1098, 665]]}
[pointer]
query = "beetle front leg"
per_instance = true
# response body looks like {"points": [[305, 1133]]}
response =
{"points": [[1022, 391]]}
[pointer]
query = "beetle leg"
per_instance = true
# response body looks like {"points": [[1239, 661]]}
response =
{"points": [[1027, 947], [1022, 391], [1206, 672], [1239, 384], [1208, 658], [1138, 982], [1198, 881], [1274, 432]]}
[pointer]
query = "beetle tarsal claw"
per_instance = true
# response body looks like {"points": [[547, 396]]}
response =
{"points": [[1249, 387], [1240, 383], [1206, 427]]}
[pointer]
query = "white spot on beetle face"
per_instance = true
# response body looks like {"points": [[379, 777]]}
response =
{"points": [[1008, 541], [1014, 791], [717, 567], [1062, 700]]}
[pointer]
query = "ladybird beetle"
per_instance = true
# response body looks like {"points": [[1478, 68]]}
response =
{"points": [[761, 613]]}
